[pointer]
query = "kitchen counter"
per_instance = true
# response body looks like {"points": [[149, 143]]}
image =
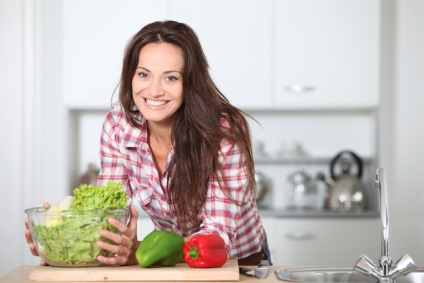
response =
{"points": [[311, 213], [21, 275]]}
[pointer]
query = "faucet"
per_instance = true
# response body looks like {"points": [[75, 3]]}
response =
{"points": [[385, 271]]}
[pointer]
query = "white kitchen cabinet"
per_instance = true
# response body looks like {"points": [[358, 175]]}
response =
{"points": [[95, 34], [322, 241], [239, 51], [327, 53], [285, 54], [144, 227], [144, 223], [271, 233], [237, 40]]}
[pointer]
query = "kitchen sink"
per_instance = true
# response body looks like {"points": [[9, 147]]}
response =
{"points": [[365, 269], [340, 275]]}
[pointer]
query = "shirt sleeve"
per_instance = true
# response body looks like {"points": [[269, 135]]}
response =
{"points": [[111, 159], [222, 209]]}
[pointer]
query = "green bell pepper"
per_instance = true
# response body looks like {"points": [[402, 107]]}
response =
{"points": [[160, 248]]}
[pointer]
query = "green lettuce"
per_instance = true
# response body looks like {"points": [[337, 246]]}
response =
{"points": [[88, 197], [73, 240]]}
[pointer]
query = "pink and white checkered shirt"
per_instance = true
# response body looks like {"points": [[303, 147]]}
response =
{"points": [[127, 158]]}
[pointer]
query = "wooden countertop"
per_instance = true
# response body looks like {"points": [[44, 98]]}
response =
{"points": [[21, 275]]}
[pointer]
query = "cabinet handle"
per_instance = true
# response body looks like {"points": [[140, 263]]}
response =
{"points": [[300, 235], [299, 88]]}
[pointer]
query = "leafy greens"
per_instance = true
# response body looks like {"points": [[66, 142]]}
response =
{"points": [[72, 241]]}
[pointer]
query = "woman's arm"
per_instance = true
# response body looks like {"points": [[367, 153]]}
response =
{"points": [[226, 196]]}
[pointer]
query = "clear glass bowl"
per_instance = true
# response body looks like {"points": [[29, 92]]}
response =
{"points": [[68, 238]]}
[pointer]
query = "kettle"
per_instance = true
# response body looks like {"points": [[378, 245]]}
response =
{"points": [[301, 191], [345, 188]]}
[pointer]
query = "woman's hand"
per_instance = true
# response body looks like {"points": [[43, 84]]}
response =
{"points": [[126, 243], [28, 236]]}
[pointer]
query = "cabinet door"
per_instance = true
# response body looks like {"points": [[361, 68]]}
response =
{"points": [[237, 40], [144, 226], [269, 224], [94, 37], [327, 53], [326, 242]]}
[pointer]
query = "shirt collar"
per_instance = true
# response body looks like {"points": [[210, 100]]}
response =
{"points": [[133, 136]]}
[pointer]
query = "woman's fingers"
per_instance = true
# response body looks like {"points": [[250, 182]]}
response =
{"points": [[128, 233], [112, 260], [121, 251], [125, 242], [46, 205], [117, 250], [29, 240], [133, 218], [28, 236]]}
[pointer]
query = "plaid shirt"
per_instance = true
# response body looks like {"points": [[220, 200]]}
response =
{"points": [[127, 158]]}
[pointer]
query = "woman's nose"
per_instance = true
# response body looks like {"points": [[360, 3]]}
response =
{"points": [[155, 88]]}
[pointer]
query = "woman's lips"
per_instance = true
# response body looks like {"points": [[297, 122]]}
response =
{"points": [[156, 103]]}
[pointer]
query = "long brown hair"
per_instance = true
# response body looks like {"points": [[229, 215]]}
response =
{"points": [[197, 131]]}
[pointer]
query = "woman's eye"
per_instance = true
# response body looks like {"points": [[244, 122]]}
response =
{"points": [[142, 74], [172, 78]]}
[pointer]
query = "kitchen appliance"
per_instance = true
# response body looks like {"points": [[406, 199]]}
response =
{"points": [[301, 191], [262, 187], [90, 176], [344, 185]]}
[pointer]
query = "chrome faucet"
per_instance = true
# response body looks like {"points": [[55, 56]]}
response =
{"points": [[385, 271]]}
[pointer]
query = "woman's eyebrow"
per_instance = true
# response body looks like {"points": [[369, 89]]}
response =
{"points": [[172, 71], [143, 68], [165, 73]]}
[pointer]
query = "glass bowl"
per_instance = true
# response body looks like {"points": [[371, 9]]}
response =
{"points": [[68, 238]]}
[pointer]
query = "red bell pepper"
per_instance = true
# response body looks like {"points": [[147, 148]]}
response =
{"points": [[205, 251]]}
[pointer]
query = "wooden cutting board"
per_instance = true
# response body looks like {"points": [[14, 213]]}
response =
{"points": [[180, 272]]}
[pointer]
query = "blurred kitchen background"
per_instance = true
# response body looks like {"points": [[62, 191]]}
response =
{"points": [[320, 77]]}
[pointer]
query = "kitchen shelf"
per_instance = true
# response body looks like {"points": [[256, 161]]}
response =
{"points": [[318, 213], [304, 213], [301, 160]]}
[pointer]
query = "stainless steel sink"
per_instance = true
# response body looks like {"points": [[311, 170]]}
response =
{"points": [[339, 275]]}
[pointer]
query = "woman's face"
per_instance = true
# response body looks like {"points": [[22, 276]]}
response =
{"points": [[157, 83]]}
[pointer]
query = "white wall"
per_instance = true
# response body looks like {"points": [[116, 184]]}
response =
{"points": [[32, 146], [20, 141], [402, 115]]}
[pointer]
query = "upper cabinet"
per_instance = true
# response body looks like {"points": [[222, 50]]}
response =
{"points": [[95, 34], [237, 38], [263, 54], [327, 53]]}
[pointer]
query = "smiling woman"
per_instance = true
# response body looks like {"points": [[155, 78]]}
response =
{"points": [[179, 148], [191, 166]]}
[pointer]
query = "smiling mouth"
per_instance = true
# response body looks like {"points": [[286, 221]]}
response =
{"points": [[156, 102]]}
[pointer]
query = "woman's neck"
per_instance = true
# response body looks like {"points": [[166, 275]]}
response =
{"points": [[161, 133], [159, 139]]}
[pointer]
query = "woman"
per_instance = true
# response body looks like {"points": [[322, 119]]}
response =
{"points": [[179, 148]]}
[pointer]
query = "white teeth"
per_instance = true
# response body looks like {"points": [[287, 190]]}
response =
{"points": [[155, 102]]}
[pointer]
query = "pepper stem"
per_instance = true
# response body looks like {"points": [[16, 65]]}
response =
{"points": [[193, 253]]}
